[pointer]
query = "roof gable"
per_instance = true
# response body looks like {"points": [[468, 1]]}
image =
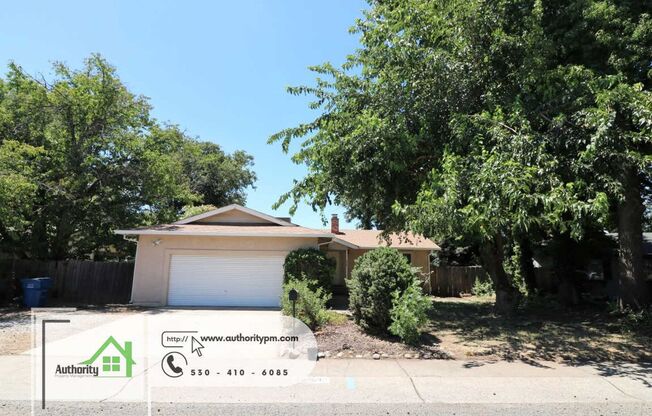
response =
{"points": [[236, 215]]}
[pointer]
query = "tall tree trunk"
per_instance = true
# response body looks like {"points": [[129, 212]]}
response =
{"points": [[632, 284], [565, 264], [492, 256], [526, 266]]}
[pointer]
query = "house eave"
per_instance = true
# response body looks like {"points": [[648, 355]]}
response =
{"points": [[353, 246], [220, 234], [403, 248], [344, 243]]}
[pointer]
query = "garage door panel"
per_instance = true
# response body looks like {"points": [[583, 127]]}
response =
{"points": [[226, 279]]}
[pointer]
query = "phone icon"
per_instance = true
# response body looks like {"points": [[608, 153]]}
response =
{"points": [[172, 364], [170, 360]]}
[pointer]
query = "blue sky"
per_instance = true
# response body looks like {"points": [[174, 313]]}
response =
{"points": [[217, 69]]}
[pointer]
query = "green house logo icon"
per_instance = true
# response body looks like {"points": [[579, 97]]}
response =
{"points": [[113, 359]]}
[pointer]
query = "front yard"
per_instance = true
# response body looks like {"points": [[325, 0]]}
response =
{"points": [[16, 325], [467, 329], [459, 328]]}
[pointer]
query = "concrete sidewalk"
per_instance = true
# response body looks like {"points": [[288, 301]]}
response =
{"points": [[408, 381], [418, 381]]}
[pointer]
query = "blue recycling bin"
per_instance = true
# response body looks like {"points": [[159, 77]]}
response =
{"points": [[35, 291]]}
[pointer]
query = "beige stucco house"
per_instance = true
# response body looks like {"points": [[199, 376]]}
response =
{"points": [[233, 256]]}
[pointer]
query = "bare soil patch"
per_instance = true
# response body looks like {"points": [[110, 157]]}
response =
{"points": [[467, 329], [348, 340]]}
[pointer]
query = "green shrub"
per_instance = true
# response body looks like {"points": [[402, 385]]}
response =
{"points": [[376, 275], [310, 304], [409, 313], [311, 265], [630, 320], [483, 288]]}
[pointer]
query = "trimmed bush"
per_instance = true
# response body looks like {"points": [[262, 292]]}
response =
{"points": [[310, 265], [376, 275], [310, 304], [409, 313]]}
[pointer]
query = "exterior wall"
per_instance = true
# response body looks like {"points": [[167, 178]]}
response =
{"points": [[151, 272], [340, 271], [420, 258], [338, 252], [353, 256]]}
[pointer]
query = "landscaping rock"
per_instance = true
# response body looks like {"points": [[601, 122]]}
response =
{"points": [[376, 356], [358, 356], [383, 355], [407, 356], [340, 354], [320, 355], [327, 354], [426, 356]]}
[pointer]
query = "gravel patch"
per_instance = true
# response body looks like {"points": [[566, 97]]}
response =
{"points": [[15, 331], [16, 325]]}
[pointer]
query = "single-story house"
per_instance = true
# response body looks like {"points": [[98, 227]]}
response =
{"points": [[233, 256]]}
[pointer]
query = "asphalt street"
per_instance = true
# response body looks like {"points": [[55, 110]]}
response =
{"points": [[325, 409]]}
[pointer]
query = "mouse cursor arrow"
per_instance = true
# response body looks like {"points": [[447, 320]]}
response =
{"points": [[195, 346]]}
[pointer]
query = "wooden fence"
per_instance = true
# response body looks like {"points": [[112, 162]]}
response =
{"points": [[454, 280], [75, 281]]}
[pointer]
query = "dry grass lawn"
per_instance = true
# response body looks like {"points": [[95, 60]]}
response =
{"points": [[467, 329]]}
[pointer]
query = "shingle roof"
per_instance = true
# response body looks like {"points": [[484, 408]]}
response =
{"points": [[226, 230], [276, 227], [373, 239]]}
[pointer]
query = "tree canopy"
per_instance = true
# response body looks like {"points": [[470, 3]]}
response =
{"points": [[80, 155], [503, 123]]}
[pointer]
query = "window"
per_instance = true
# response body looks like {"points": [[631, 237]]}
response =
{"points": [[110, 363], [408, 256]]}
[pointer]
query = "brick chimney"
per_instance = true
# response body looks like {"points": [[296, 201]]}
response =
{"points": [[335, 224]]}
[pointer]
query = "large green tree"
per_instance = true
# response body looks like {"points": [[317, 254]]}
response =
{"points": [[219, 179], [499, 122], [81, 156]]}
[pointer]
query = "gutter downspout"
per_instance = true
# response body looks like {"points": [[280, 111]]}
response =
{"points": [[430, 272], [133, 281]]}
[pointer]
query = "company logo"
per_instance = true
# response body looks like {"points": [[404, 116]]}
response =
{"points": [[110, 360]]}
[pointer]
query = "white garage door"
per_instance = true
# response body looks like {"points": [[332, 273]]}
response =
{"points": [[226, 279]]}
